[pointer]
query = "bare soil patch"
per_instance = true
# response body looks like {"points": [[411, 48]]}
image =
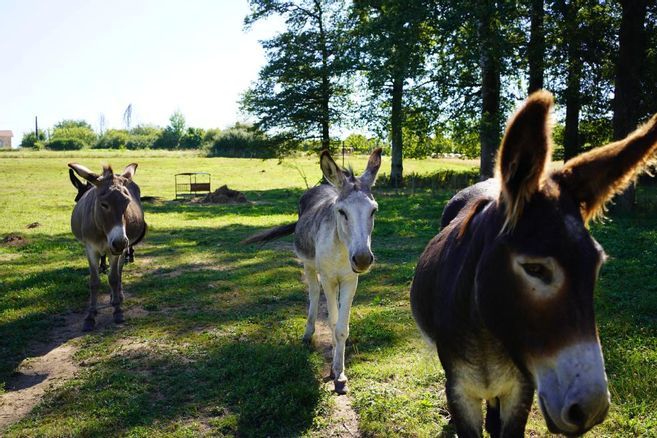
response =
{"points": [[223, 195], [50, 364], [13, 239], [344, 420]]}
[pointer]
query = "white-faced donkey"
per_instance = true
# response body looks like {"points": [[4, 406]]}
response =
{"points": [[107, 219], [332, 237]]}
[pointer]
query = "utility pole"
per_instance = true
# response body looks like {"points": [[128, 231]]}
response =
{"points": [[36, 128]]}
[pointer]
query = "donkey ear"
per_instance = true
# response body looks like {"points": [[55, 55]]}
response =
{"points": [[593, 178], [76, 182], [524, 154], [129, 170], [373, 164], [85, 173], [331, 171]]}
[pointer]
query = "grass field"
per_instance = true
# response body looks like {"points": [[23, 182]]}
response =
{"points": [[212, 345]]}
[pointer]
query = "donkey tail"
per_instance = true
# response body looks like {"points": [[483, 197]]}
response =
{"points": [[271, 234]]}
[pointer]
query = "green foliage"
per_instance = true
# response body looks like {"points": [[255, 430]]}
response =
{"points": [[30, 139], [74, 129], [66, 144], [303, 88], [595, 132], [192, 139], [169, 137], [143, 137], [177, 123], [140, 137], [113, 139], [211, 135], [360, 144], [244, 142], [69, 123]]}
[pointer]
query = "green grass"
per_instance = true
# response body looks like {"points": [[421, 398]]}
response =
{"points": [[218, 351]]}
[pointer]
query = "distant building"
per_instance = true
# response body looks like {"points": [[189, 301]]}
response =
{"points": [[5, 139]]}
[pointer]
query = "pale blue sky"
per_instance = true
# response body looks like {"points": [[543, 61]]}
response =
{"points": [[76, 59]]}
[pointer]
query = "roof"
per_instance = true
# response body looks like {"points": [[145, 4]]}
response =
{"points": [[6, 133]]}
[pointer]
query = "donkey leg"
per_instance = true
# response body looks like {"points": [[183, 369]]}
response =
{"points": [[94, 284], [465, 409], [330, 287], [514, 410], [493, 423], [130, 256], [116, 266], [103, 264], [313, 298], [347, 292]]}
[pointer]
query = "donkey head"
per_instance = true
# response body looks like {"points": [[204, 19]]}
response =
{"points": [[111, 201], [354, 208], [535, 281]]}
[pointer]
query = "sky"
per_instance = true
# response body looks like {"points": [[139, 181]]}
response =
{"points": [[78, 59]]}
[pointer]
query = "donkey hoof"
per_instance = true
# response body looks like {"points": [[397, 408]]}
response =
{"points": [[118, 317], [341, 387], [88, 324]]}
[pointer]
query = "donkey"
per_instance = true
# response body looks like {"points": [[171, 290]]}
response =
{"points": [[505, 290], [108, 219], [82, 189], [332, 238]]}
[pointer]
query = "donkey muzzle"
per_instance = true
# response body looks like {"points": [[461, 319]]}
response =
{"points": [[572, 391], [361, 261], [117, 240]]}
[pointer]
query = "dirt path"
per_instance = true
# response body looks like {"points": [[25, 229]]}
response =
{"points": [[344, 421], [50, 364]]}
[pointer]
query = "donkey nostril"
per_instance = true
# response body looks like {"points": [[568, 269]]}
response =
{"points": [[576, 415], [353, 259], [371, 259]]}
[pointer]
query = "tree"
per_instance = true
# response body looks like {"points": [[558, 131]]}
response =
{"points": [[170, 136], [31, 139], [79, 130], [582, 36], [302, 90], [536, 46], [395, 37], [490, 59], [627, 95]]}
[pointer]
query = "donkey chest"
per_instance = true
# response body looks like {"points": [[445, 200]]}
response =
{"points": [[486, 372]]}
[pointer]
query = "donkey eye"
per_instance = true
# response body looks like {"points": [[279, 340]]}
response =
{"points": [[538, 270], [343, 214], [105, 205], [374, 212]]}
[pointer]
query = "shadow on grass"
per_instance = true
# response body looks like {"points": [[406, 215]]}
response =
{"points": [[243, 389]]}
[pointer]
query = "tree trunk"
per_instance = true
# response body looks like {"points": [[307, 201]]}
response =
{"points": [[489, 129], [631, 53], [326, 84], [536, 48], [396, 118], [571, 146]]}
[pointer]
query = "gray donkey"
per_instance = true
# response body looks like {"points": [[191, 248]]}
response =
{"points": [[107, 219], [332, 238]]}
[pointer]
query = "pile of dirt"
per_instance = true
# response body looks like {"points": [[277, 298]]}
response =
{"points": [[224, 195], [13, 239]]}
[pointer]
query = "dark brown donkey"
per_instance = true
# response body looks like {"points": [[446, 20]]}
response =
{"points": [[108, 219], [505, 290], [82, 189]]}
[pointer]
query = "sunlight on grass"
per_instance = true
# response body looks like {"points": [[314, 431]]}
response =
{"points": [[215, 346]]}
